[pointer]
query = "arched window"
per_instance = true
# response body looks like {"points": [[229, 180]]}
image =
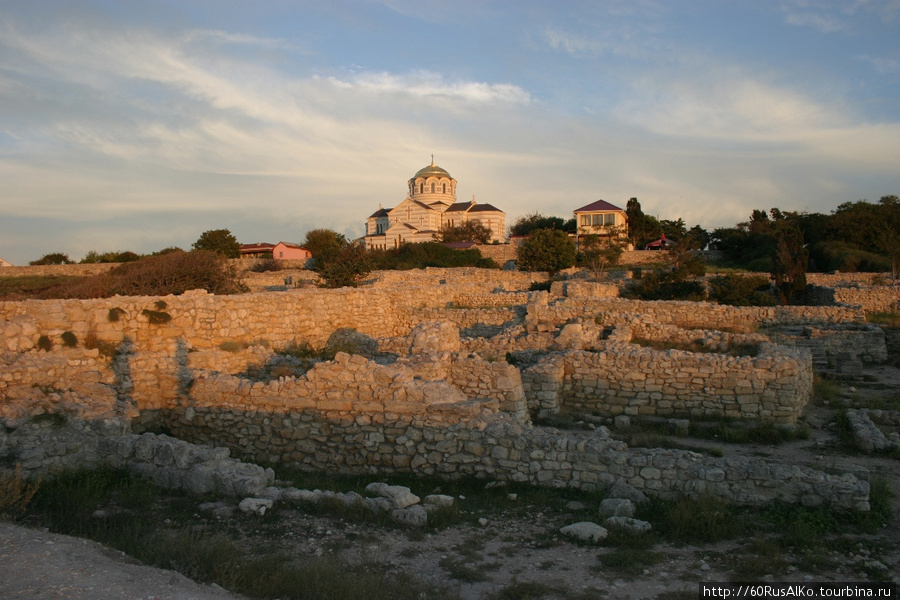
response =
{"points": [[432, 187], [445, 188], [422, 188]]}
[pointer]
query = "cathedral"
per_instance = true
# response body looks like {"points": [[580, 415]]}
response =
{"points": [[429, 207]]}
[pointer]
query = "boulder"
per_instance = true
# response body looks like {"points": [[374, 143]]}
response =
{"points": [[585, 531], [413, 516], [399, 495], [620, 489], [628, 524], [257, 506], [617, 507]]}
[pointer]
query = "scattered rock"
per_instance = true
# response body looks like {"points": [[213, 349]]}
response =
{"points": [[413, 516], [620, 489], [629, 524], [399, 495], [585, 531], [257, 506], [617, 507]]}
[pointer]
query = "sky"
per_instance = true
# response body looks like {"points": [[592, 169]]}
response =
{"points": [[140, 125]]}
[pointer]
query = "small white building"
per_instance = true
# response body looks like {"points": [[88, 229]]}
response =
{"points": [[430, 206], [601, 218], [4, 263]]}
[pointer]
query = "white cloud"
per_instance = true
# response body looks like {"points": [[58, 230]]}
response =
{"points": [[428, 84]]}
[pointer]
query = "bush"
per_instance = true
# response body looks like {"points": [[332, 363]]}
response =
{"points": [[45, 343], [266, 265], [15, 494], [69, 339], [160, 275], [430, 254], [741, 290], [347, 269], [55, 258], [220, 241], [548, 250]]}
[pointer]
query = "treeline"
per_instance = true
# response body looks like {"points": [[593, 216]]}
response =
{"points": [[856, 236]]}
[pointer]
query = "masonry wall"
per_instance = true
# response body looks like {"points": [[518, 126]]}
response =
{"points": [[545, 313], [632, 380]]}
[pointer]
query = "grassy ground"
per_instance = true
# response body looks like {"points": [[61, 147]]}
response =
{"points": [[244, 554], [30, 286]]}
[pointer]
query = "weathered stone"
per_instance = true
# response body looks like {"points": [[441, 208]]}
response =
{"points": [[585, 531], [617, 507], [413, 516], [257, 506], [399, 495], [628, 524]]}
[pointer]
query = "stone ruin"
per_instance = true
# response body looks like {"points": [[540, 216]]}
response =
{"points": [[440, 379]]}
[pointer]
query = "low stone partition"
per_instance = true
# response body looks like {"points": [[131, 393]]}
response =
{"points": [[633, 380], [546, 315], [492, 446], [350, 386], [857, 340], [872, 299], [584, 289], [473, 322]]}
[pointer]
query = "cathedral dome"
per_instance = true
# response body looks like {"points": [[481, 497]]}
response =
{"points": [[431, 170]]}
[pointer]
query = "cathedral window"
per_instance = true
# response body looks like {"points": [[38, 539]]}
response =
{"points": [[432, 187], [421, 188], [445, 188]]}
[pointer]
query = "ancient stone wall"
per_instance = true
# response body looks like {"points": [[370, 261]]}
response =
{"points": [[545, 314], [633, 380]]}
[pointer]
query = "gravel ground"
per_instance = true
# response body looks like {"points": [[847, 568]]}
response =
{"points": [[38, 565]]}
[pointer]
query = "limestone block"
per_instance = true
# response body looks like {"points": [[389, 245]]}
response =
{"points": [[413, 516], [399, 495], [257, 506], [617, 507], [585, 531], [628, 524]]}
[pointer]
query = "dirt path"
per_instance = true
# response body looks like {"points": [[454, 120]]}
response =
{"points": [[38, 565]]}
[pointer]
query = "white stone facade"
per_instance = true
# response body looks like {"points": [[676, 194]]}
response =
{"points": [[430, 206]]}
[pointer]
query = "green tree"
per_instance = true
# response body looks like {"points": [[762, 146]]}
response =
{"points": [[348, 268], [324, 245], [789, 263], [470, 231], [220, 241], [642, 229], [530, 223], [549, 250], [55, 258], [599, 252], [109, 257]]}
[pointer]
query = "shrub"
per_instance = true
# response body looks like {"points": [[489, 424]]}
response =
{"points": [[171, 273], [91, 342], [114, 313], [266, 265], [430, 254], [16, 494], [741, 290], [548, 250], [69, 339], [156, 317], [347, 269], [231, 346], [45, 343], [54, 258]]}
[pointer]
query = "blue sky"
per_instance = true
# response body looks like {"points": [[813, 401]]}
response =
{"points": [[139, 125]]}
